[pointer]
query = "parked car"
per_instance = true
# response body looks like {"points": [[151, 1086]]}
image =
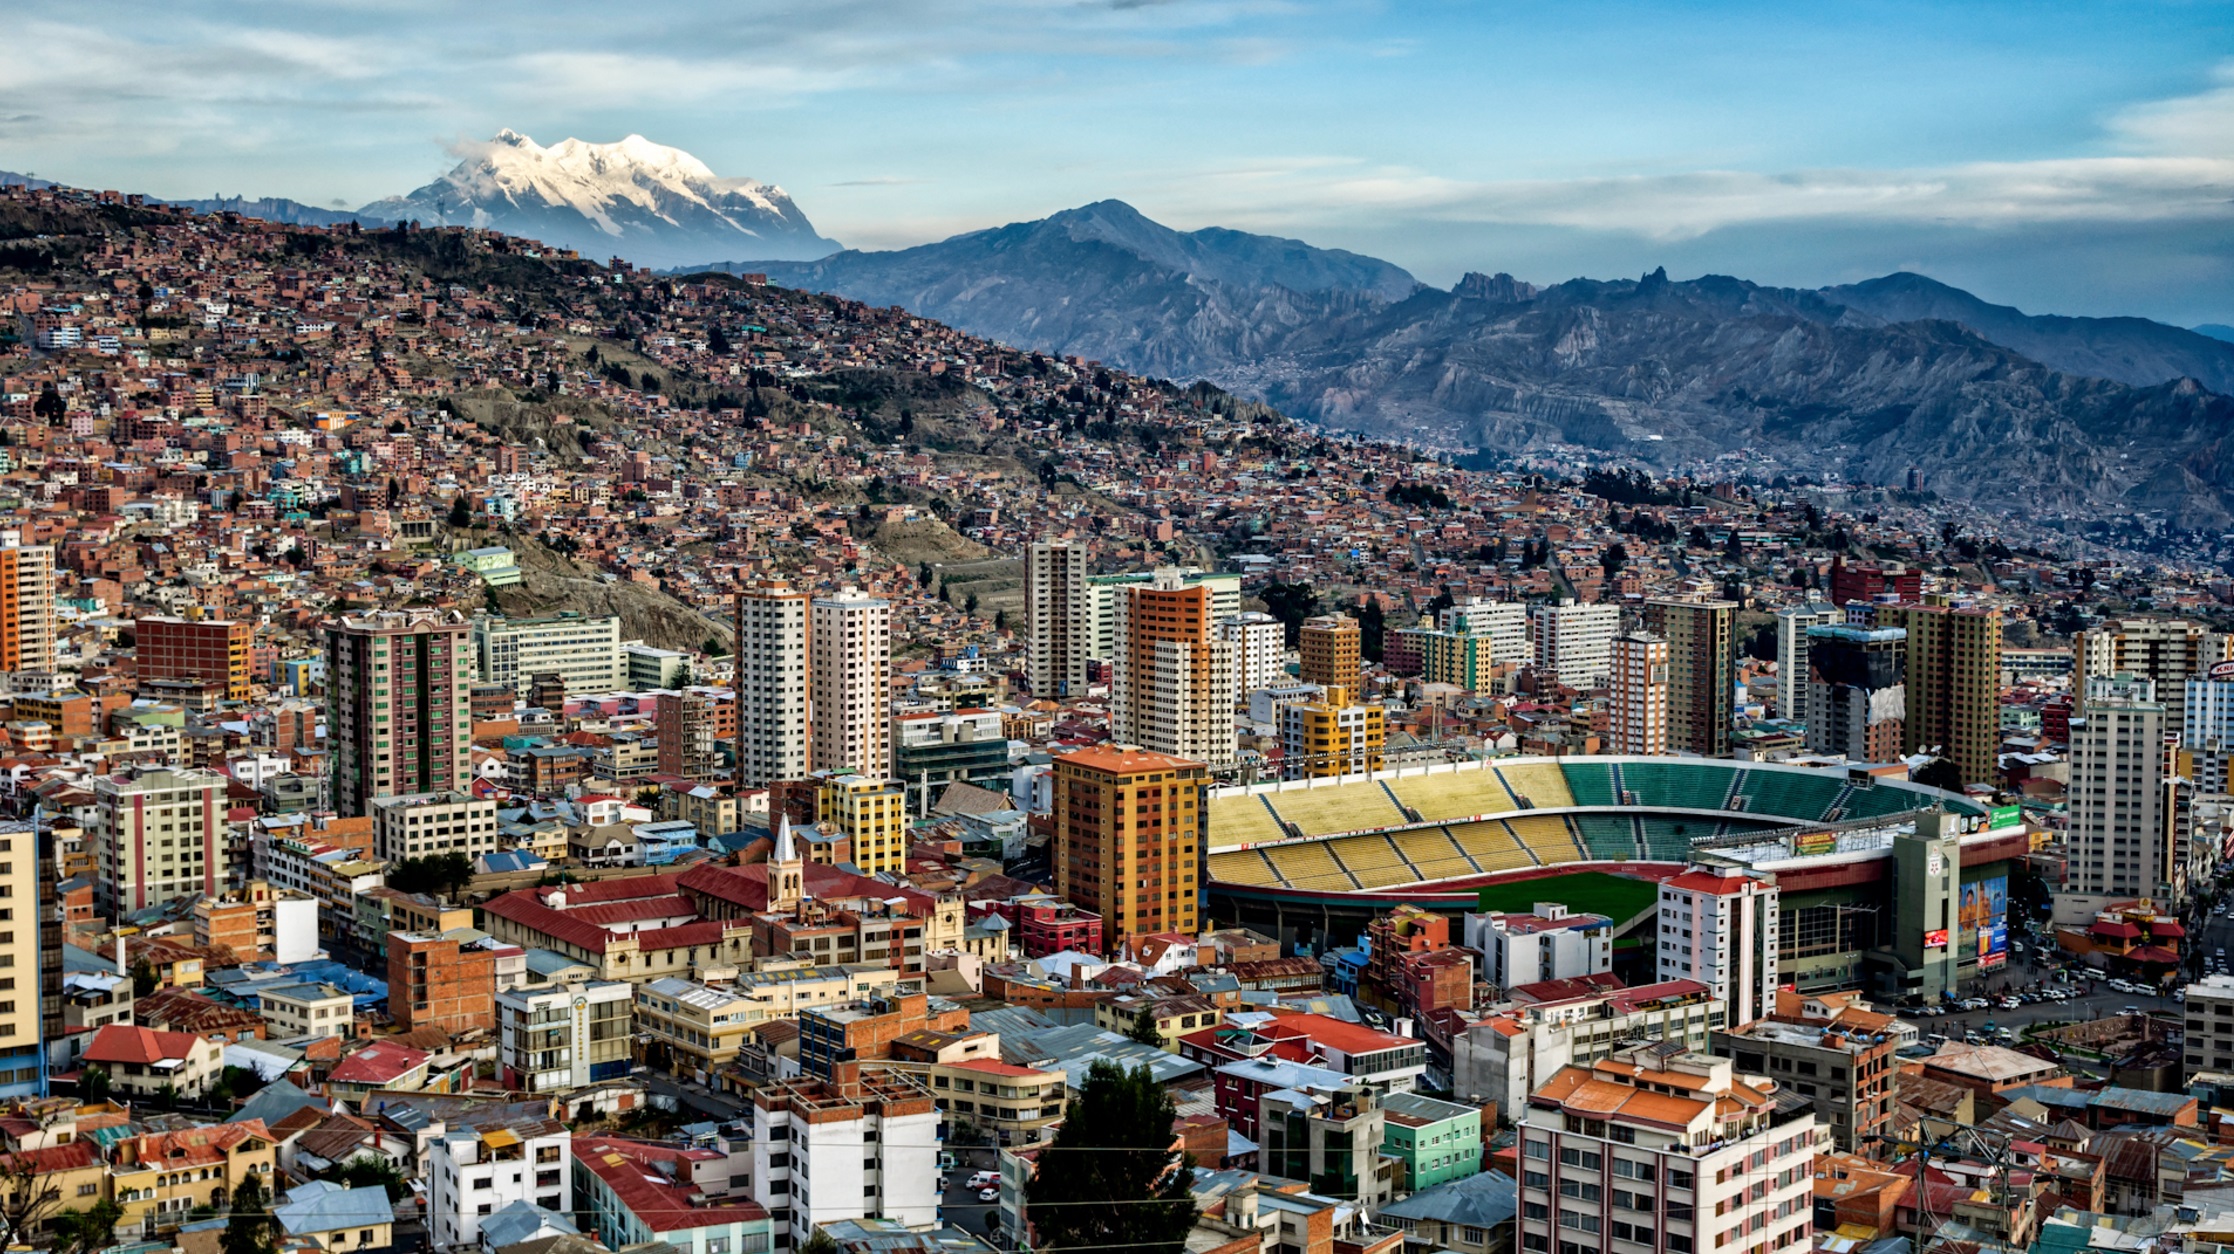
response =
{"points": [[988, 1195]]}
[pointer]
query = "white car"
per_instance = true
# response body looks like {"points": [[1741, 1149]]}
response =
{"points": [[988, 1195]]}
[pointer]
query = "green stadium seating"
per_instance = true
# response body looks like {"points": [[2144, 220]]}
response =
{"points": [[1675, 784], [1590, 783], [1791, 795], [1610, 836]]}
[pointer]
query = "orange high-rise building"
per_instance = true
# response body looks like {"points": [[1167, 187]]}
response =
{"points": [[1331, 645], [1173, 683], [1128, 839], [27, 608]]}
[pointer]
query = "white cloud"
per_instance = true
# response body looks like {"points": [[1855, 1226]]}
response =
{"points": [[2199, 124]]}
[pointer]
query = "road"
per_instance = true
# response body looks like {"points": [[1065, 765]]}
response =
{"points": [[960, 1206], [694, 1097]]}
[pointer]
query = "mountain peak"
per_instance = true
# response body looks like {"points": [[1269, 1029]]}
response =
{"points": [[653, 204]]}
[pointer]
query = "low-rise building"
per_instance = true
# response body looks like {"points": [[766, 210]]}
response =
{"points": [[159, 1178], [633, 1192], [1843, 1063], [147, 1063], [475, 1168], [1329, 1138], [556, 1037], [307, 1009], [1507, 1056], [336, 1217], [690, 1028], [843, 1148], [1432, 1140], [1013, 1105], [1548, 943]]}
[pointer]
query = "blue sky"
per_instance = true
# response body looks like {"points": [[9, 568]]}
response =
{"points": [[2061, 157]]}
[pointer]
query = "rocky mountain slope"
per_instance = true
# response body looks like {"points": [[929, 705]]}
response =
{"points": [[646, 202], [1868, 381]]}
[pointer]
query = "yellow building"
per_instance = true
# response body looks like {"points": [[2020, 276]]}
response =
{"points": [[1953, 682], [162, 1176], [1332, 736], [1175, 1016], [699, 1028], [1331, 648], [1017, 1105], [872, 812]]}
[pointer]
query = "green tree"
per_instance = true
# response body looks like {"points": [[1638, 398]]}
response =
{"points": [[1940, 773], [367, 1170], [819, 1243], [248, 1230], [461, 512], [95, 1084], [91, 1229], [1291, 603], [1144, 1028], [1111, 1179], [143, 978]]}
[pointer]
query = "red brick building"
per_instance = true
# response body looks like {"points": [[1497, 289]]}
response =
{"points": [[432, 983], [212, 651]]}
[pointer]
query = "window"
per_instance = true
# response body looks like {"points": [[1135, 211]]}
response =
{"points": [[1572, 1157]]}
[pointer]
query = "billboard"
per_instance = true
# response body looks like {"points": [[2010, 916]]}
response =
{"points": [[1984, 918], [2004, 816], [1936, 938], [1808, 844]]}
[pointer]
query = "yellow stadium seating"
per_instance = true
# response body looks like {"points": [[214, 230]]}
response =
{"points": [[1431, 850], [1455, 795], [1543, 783], [1242, 866], [1307, 864], [1549, 838], [1373, 861], [1241, 819], [1345, 808], [1492, 845]]}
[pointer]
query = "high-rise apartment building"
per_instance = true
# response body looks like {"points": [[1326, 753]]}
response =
{"points": [[585, 652], [1106, 599], [1718, 925], [2207, 729], [1330, 646], [851, 664], [1639, 722], [1334, 735], [1056, 619], [1953, 683], [1574, 642], [1702, 672], [689, 735], [27, 634], [156, 834], [856, 1144], [1504, 624], [1129, 839], [872, 811], [2167, 652], [2121, 837], [399, 710], [1173, 681], [1260, 656], [27, 922], [210, 651], [1661, 1150], [772, 685], [1792, 623], [1855, 696], [1868, 583]]}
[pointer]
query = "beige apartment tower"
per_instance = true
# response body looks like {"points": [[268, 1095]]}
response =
{"points": [[2165, 651], [1056, 619], [1953, 683], [1702, 672], [772, 684], [1330, 645], [1173, 684], [2121, 839], [851, 653], [1639, 722], [399, 712]]}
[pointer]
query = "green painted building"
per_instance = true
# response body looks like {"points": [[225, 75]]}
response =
{"points": [[1435, 1140]]}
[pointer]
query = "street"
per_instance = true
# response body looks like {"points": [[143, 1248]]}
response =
{"points": [[959, 1206], [693, 1097]]}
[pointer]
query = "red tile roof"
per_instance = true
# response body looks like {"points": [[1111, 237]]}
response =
{"points": [[124, 1043], [379, 1063], [626, 1168]]}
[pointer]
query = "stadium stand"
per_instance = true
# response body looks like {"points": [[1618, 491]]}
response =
{"points": [[1455, 795], [1674, 785], [1590, 783], [1437, 856], [1372, 860], [1307, 864], [1242, 819], [1610, 836], [1243, 866], [1542, 784], [1492, 845], [1548, 837], [1325, 811], [1790, 795]]}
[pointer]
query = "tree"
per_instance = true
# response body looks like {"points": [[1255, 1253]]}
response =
{"points": [[1111, 1180], [26, 1196], [461, 512], [1939, 773], [90, 1229], [367, 1170], [969, 603], [1144, 1028], [95, 1084], [50, 406], [819, 1243], [1372, 630], [717, 343], [143, 978], [1291, 603], [248, 1231], [1614, 558]]}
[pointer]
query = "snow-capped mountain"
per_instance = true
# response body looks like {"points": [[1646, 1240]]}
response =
{"points": [[654, 205]]}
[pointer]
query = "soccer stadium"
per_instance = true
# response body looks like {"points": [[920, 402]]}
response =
{"points": [[1311, 861]]}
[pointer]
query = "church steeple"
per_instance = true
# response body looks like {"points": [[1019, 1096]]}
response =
{"points": [[787, 874]]}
